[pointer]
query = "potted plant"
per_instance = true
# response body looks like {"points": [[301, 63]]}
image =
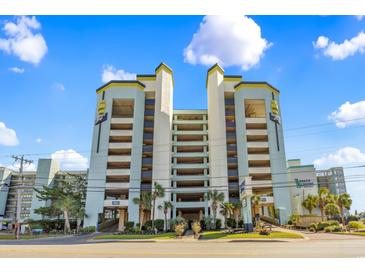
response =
{"points": [[196, 229]]}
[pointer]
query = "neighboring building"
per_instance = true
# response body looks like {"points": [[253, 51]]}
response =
{"points": [[138, 139], [333, 179], [47, 171], [303, 181]]}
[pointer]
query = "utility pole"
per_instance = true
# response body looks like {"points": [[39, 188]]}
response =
{"points": [[19, 192]]}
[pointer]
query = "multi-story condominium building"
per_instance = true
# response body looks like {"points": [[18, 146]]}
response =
{"points": [[303, 181], [333, 179], [48, 171], [235, 146]]}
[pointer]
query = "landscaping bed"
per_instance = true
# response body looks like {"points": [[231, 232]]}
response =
{"points": [[210, 235], [160, 236], [352, 233], [22, 237]]}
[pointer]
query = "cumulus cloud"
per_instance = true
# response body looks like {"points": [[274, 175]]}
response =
{"points": [[17, 70], [345, 155], [111, 73], [342, 50], [70, 160], [23, 40], [58, 86], [7, 136], [359, 17], [228, 40], [348, 114]]}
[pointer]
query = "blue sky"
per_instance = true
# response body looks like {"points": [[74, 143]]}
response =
{"points": [[49, 94]]}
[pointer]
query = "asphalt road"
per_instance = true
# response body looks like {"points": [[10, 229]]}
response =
{"points": [[80, 247]]}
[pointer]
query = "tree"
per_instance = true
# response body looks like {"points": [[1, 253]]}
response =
{"points": [[255, 202], [310, 203], [344, 202], [215, 198], [237, 211], [322, 199], [144, 203], [48, 212], [226, 211], [64, 195], [158, 192], [165, 207], [331, 210]]}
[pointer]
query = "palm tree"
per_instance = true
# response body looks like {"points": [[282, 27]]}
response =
{"points": [[255, 202], [165, 207], [236, 211], [344, 201], [158, 192], [66, 203], [79, 212], [310, 203], [144, 203], [226, 211], [331, 210], [215, 197], [322, 199]]}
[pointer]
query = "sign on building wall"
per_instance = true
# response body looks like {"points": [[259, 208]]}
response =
{"points": [[304, 183], [274, 114], [102, 115]]}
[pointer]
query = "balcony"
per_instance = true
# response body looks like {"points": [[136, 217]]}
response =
{"points": [[189, 122], [257, 144], [147, 148], [190, 154], [258, 157], [148, 136], [229, 101], [257, 132], [230, 113], [190, 166], [232, 173], [233, 185], [149, 112], [232, 160], [122, 120], [256, 170], [118, 159], [231, 147], [120, 132], [190, 132], [146, 187], [191, 143], [120, 145], [261, 120], [150, 102], [116, 203], [116, 186], [230, 135], [230, 124], [190, 178], [146, 174], [190, 204], [261, 183], [147, 161], [148, 124], [118, 172]]}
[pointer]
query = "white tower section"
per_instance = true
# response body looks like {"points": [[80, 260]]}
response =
{"points": [[162, 134], [217, 130]]}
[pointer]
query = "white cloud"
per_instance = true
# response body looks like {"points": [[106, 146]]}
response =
{"points": [[321, 42], [70, 160], [23, 40], [111, 73], [228, 40], [17, 70], [26, 167], [343, 50], [7, 136], [38, 140], [359, 17], [348, 114], [59, 86], [345, 155]]}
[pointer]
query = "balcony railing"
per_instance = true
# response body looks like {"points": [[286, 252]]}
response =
{"points": [[147, 161], [146, 174], [230, 124], [147, 136], [231, 147], [229, 101], [232, 172], [147, 148], [149, 112], [148, 124], [232, 160], [150, 102]]}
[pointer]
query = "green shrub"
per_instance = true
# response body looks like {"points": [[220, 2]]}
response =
{"points": [[322, 225], [332, 228], [231, 222], [129, 226], [88, 229], [196, 227], [333, 223], [159, 224], [240, 223], [355, 225], [180, 229], [207, 223], [176, 221], [218, 223], [147, 225], [313, 227]]}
